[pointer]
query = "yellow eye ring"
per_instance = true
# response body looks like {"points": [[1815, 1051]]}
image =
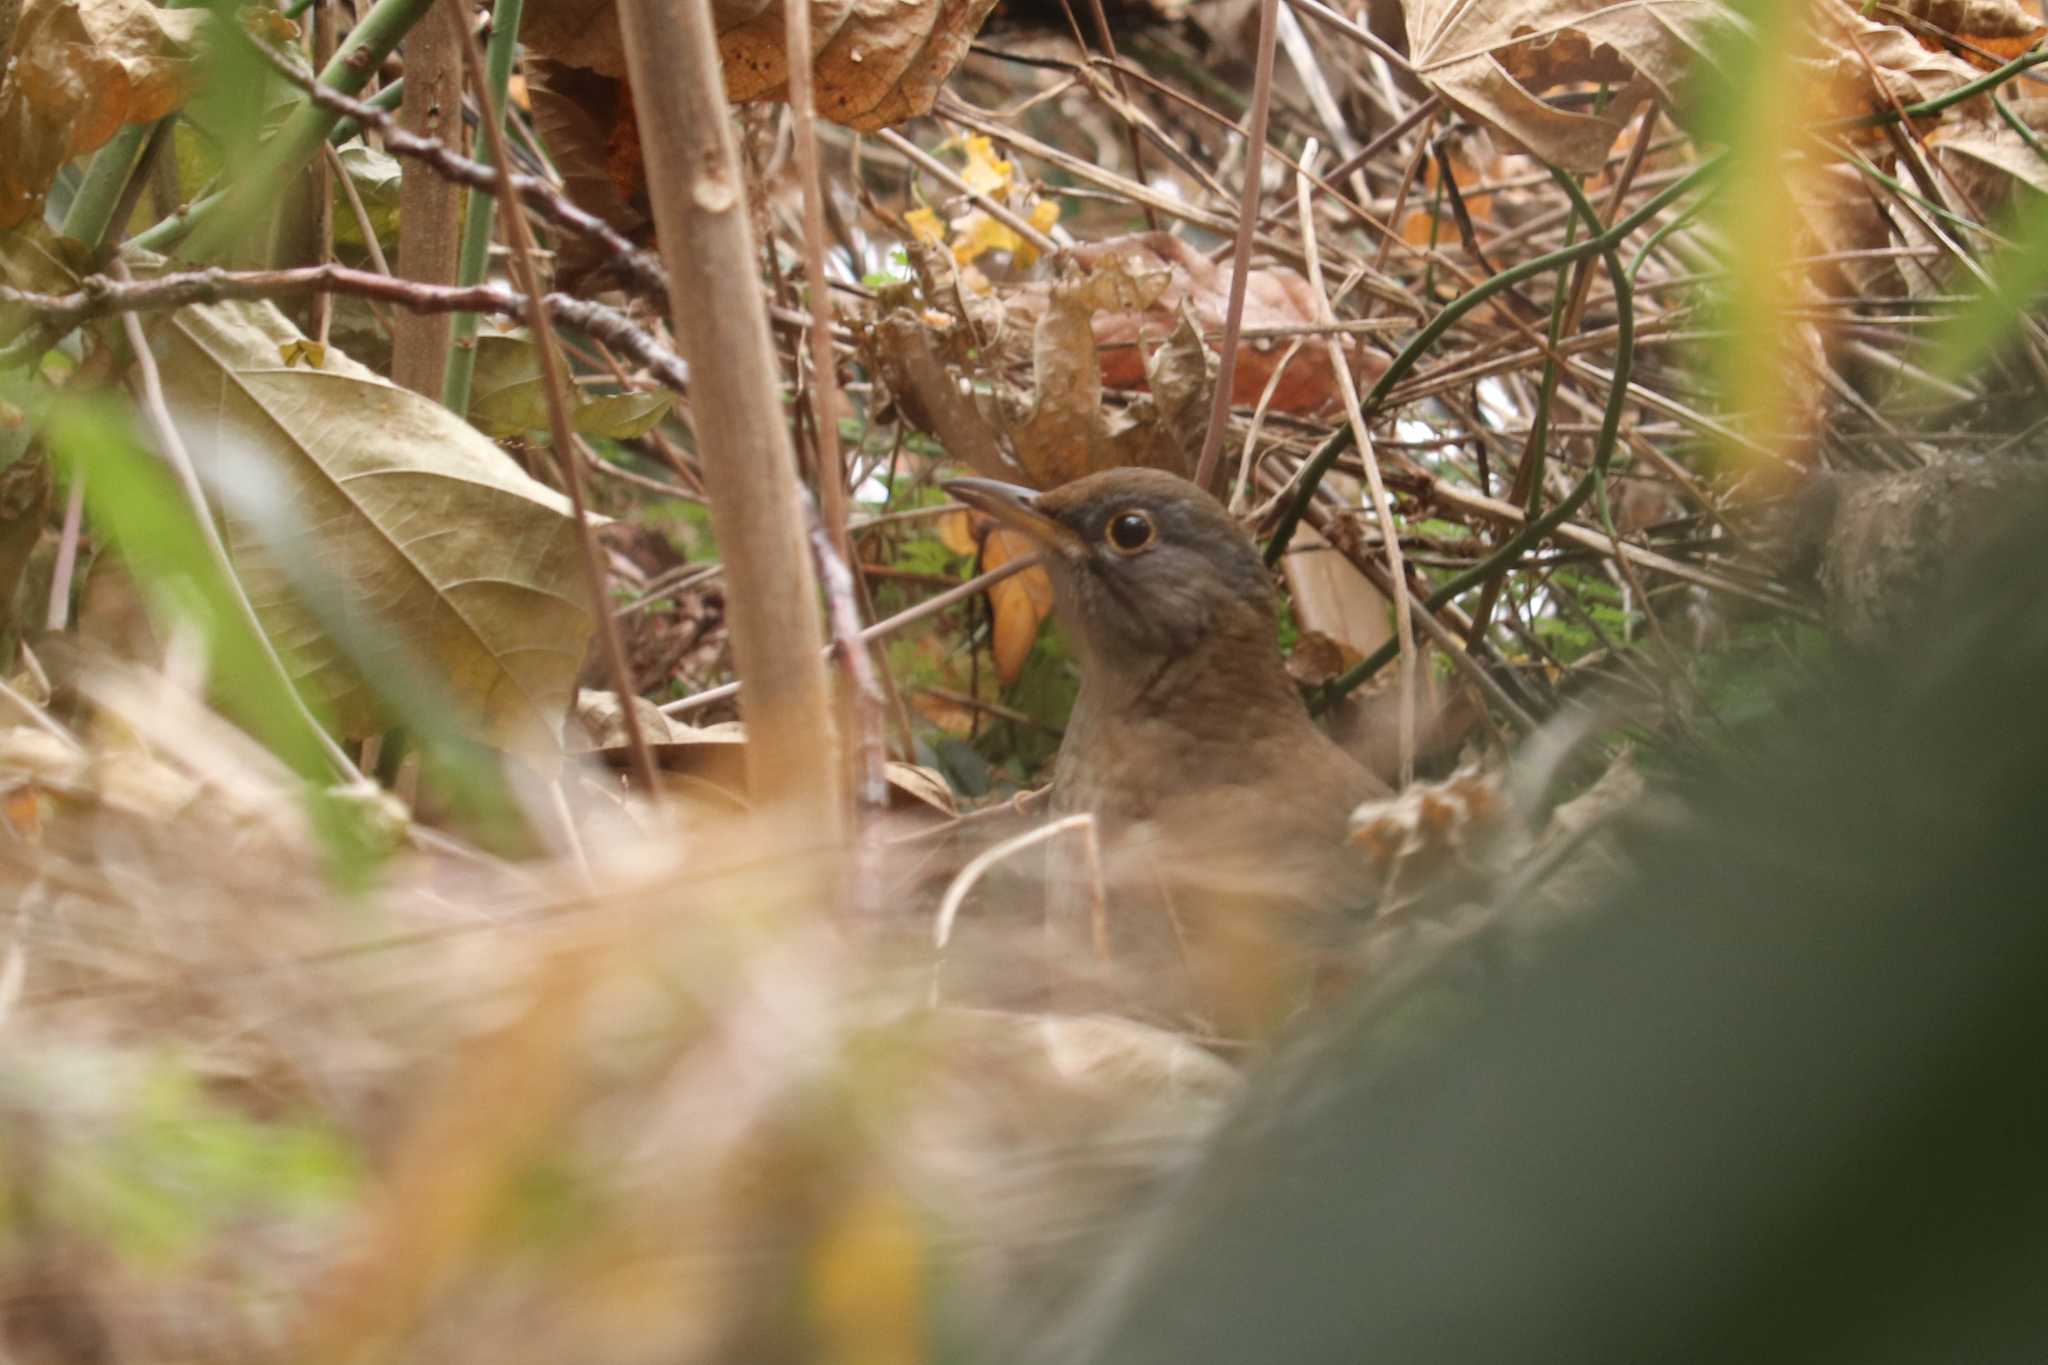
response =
{"points": [[1129, 532]]}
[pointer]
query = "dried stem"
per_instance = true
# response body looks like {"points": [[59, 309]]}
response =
{"points": [[568, 447]]}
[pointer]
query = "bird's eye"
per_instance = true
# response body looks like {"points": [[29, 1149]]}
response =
{"points": [[1130, 532]]}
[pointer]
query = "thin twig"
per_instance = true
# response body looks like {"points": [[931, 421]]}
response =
{"points": [[1241, 252], [1382, 506], [568, 445]]}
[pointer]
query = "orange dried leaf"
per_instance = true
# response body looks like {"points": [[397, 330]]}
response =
{"points": [[956, 532], [76, 72], [1274, 297], [1019, 604], [22, 809]]}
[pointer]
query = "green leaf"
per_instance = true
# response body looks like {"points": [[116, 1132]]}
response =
{"points": [[624, 416], [375, 176], [520, 407]]}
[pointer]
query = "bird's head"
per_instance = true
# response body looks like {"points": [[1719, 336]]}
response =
{"points": [[1145, 565]]}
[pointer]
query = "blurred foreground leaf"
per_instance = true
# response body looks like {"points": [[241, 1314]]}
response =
{"points": [[1777, 1095]]}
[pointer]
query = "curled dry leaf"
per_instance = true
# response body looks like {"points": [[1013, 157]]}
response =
{"points": [[1431, 822], [421, 535], [1867, 66], [956, 380], [1058, 429], [1193, 286], [1497, 61], [1987, 155], [75, 72], [1987, 33], [585, 121], [875, 63]]}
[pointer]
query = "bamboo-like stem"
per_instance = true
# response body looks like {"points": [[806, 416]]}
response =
{"points": [[700, 213], [568, 448], [475, 258], [214, 226]]}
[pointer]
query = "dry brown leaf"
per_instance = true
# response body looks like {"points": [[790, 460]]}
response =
{"points": [[875, 62], [1986, 155], [1317, 658], [577, 114], [77, 71], [1189, 283], [1866, 66], [1496, 61], [1989, 32], [1059, 431], [915, 786], [1056, 429]]}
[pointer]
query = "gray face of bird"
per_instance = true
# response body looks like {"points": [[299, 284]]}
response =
{"points": [[1159, 567], [1145, 566]]}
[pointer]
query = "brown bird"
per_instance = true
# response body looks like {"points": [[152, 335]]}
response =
{"points": [[1189, 743]]}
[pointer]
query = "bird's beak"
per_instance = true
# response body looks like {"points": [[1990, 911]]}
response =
{"points": [[1014, 506]]}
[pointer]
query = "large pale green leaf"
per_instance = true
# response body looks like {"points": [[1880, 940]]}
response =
{"points": [[431, 540]]}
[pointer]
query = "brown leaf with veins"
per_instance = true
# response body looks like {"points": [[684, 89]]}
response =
{"points": [[76, 72], [1988, 33]]}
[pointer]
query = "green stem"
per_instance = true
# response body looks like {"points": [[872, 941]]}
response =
{"points": [[1602, 243], [475, 257], [249, 199], [386, 99], [88, 220], [1501, 560], [1990, 80], [174, 229]]}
